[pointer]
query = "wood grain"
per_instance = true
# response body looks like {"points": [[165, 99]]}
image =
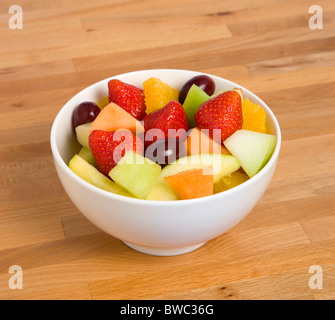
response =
{"points": [[266, 47]]}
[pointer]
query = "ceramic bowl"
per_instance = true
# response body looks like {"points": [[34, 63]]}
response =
{"points": [[157, 227]]}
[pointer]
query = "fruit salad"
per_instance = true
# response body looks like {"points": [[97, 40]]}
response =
{"points": [[157, 142]]}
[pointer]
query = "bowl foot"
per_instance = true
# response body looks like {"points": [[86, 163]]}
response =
{"points": [[164, 251]]}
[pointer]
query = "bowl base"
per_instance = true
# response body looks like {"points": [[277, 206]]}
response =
{"points": [[164, 251]]}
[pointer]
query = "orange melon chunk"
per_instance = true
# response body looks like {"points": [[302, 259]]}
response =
{"points": [[191, 184], [112, 118], [198, 143]]}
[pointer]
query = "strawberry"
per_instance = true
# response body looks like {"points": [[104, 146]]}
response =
{"points": [[128, 97], [108, 147], [223, 112], [172, 116]]}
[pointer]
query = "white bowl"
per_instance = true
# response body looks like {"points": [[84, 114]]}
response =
{"points": [[157, 227]]}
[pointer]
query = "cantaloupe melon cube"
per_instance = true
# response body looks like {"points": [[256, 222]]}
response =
{"points": [[113, 118], [198, 142], [191, 184]]}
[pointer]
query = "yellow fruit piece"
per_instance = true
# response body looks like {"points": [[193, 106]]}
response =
{"points": [[158, 94], [230, 181], [254, 117], [103, 102]]}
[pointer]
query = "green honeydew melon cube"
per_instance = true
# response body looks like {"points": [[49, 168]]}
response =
{"points": [[222, 165], [136, 174], [87, 155], [252, 149], [90, 174], [195, 97], [82, 133], [161, 191]]}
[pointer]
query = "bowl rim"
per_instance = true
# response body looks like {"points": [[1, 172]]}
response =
{"points": [[61, 163]]}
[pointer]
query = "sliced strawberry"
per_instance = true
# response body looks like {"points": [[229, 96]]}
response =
{"points": [[169, 122], [128, 97], [223, 112], [108, 147]]}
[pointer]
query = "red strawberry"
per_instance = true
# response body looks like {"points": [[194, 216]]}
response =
{"points": [[108, 147], [222, 112], [128, 97], [172, 116]]}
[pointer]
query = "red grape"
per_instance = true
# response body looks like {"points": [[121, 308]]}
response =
{"points": [[85, 112], [165, 151], [204, 82]]}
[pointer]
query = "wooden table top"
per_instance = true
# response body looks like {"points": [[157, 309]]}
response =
{"points": [[265, 46]]}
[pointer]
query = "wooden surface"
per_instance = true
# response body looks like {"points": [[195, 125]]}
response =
{"points": [[267, 47]]}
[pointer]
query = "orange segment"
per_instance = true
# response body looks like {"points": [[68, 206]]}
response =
{"points": [[230, 181], [191, 184], [198, 142], [254, 117], [113, 117], [157, 94]]}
